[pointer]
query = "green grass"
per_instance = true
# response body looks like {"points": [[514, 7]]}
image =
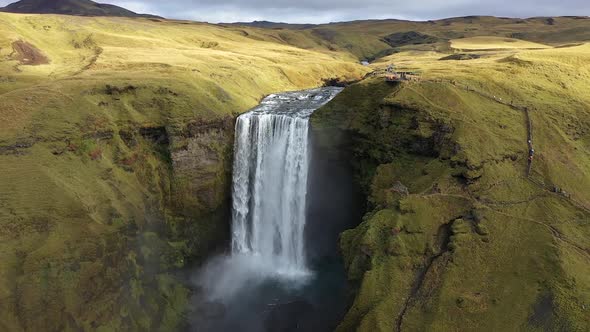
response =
{"points": [[516, 252]]}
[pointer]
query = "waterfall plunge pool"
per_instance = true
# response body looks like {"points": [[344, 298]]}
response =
{"points": [[289, 205]]}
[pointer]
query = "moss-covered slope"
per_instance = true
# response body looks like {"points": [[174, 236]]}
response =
{"points": [[457, 237]]}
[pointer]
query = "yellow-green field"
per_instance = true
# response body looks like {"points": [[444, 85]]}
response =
{"points": [[493, 43], [248, 64]]}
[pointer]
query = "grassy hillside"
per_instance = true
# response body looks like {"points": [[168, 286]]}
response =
{"points": [[458, 237], [115, 150], [373, 39]]}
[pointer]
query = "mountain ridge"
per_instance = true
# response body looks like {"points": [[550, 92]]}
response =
{"points": [[288, 25], [70, 7]]}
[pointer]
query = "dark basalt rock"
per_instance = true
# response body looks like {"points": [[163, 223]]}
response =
{"points": [[409, 38]]}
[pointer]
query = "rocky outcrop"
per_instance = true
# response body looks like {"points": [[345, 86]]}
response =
{"points": [[201, 160]]}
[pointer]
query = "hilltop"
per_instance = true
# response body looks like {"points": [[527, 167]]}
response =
{"points": [[69, 7]]}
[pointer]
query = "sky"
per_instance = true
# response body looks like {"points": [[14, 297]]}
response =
{"points": [[324, 11]]}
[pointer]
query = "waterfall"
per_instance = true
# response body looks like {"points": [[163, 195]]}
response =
{"points": [[271, 164]]}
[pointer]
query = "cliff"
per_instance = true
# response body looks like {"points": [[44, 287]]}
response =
{"points": [[457, 235]]}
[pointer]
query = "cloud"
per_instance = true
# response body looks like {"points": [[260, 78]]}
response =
{"points": [[314, 11]]}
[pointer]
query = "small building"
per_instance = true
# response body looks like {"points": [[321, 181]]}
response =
{"points": [[398, 76], [365, 62]]}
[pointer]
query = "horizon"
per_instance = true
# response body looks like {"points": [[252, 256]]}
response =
{"points": [[397, 19], [332, 11]]}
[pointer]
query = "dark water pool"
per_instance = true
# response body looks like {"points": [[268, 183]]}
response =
{"points": [[276, 305]]}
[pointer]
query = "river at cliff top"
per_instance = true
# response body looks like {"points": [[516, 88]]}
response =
{"points": [[283, 272]]}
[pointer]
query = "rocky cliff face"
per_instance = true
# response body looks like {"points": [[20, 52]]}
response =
{"points": [[200, 194], [97, 215]]}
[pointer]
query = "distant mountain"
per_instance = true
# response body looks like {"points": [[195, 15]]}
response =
{"points": [[70, 7], [272, 25]]}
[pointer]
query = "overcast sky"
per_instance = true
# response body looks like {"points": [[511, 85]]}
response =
{"points": [[323, 11]]}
